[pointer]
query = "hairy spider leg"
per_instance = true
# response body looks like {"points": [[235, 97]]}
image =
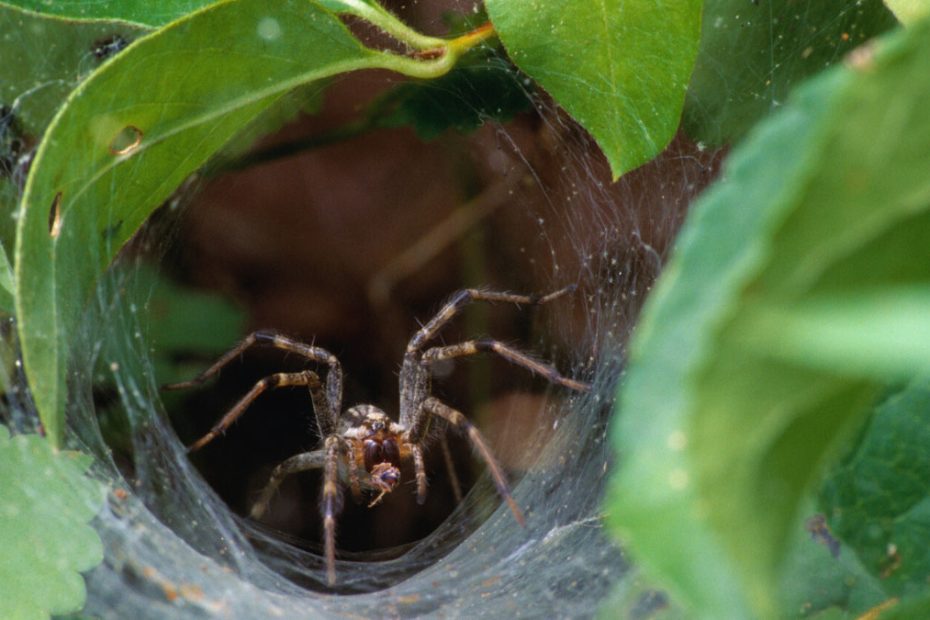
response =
{"points": [[512, 355], [296, 464], [281, 379], [467, 296], [415, 375], [331, 505], [450, 468], [332, 501], [420, 468], [278, 340], [434, 406], [356, 462]]}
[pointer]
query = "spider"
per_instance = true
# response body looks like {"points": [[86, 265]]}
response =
{"points": [[362, 447]]}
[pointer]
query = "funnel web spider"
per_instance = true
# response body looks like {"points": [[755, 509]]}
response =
{"points": [[362, 447]]}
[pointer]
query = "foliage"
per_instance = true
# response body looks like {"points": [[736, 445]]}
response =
{"points": [[877, 499], [798, 292], [752, 53], [726, 417], [46, 500], [593, 57], [138, 152], [37, 77]]}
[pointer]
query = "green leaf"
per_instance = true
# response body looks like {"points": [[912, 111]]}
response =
{"points": [[885, 332], [182, 323], [877, 499], [917, 606], [46, 501], [154, 14], [718, 441], [140, 12], [908, 11], [6, 283], [37, 76], [36, 79], [753, 53], [132, 133], [635, 597], [820, 579], [619, 67]]}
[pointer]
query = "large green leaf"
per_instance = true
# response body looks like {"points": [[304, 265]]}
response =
{"points": [[753, 53], [718, 438], [840, 331], [877, 499], [619, 67], [6, 283], [909, 11], [35, 79], [46, 501], [154, 14], [132, 133], [142, 12]]}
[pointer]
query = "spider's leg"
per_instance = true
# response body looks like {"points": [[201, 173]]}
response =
{"points": [[355, 464], [465, 297], [293, 465], [436, 407], [281, 379], [420, 468], [331, 504], [450, 469], [512, 355], [278, 341]]}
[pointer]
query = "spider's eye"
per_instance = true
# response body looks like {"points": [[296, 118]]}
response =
{"points": [[377, 426]]}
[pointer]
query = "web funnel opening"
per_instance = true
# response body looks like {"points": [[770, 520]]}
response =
{"points": [[174, 548]]}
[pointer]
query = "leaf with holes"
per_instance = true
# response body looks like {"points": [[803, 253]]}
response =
{"points": [[133, 132], [619, 67], [46, 501], [36, 79], [719, 439]]}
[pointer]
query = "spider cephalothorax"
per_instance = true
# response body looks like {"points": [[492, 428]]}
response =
{"points": [[362, 447], [378, 445]]}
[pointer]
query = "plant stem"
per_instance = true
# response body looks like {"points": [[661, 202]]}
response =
{"points": [[441, 58]]}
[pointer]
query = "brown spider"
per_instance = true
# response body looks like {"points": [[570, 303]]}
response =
{"points": [[363, 446]]}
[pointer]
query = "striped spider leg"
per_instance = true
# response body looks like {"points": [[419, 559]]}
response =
{"points": [[418, 406]]}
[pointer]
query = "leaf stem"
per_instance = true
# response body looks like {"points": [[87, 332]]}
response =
{"points": [[386, 21], [470, 39], [437, 60]]}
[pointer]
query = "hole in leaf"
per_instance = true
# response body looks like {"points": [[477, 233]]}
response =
{"points": [[104, 48], [54, 217], [126, 140]]}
